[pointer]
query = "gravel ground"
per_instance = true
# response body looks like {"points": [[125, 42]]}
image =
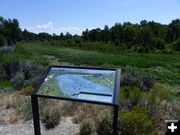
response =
{"points": [[66, 127]]}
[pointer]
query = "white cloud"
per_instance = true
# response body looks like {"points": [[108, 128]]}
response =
{"points": [[70, 29], [49, 25], [45, 26], [49, 28], [90, 28]]}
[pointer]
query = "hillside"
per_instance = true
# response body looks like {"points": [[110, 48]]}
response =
{"points": [[143, 75], [148, 54]]}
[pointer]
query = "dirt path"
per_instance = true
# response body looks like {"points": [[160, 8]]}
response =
{"points": [[66, 127]]}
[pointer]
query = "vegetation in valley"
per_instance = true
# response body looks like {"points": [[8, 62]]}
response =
{"points": [[164, 67]]}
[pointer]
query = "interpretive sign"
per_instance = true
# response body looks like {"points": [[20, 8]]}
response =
{"points": [[83, 84]]}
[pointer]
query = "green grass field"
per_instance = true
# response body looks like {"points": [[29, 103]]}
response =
{"points": [[164, 67]]}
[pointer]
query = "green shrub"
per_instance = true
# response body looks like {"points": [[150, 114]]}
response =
{"points": [[87, 127], [22, 74], [130, 96], [51, 116], [3, 74], [158, 43], [2, 40], [157, 95], [157, 101], [69, 42], [161, 92], [78, 41], [105, 127], [141, 49], [18, 80], [134, 78], [5, 50], [168, 50], [147, 50], [32, 81], [5, 86], [26, 91], [147, 82], [135, 122], [176, 45], [32, 71], [117, 42]]}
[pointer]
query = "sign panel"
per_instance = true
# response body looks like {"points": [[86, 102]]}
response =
{"points": [[79, 83]]}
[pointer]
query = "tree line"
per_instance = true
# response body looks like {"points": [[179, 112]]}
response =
{"points": [[146, 34], [10, 32]]}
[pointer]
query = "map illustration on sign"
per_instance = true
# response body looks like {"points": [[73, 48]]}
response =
{"points": [[84, 84]]}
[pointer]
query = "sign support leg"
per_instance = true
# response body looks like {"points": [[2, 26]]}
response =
{"points": [[35, 111], [115, 120]]}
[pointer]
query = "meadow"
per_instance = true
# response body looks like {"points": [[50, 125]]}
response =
{"points": [[165, 68]]}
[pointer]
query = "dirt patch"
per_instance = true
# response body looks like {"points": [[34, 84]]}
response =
{"points": [[52, 60], [66, 127]]}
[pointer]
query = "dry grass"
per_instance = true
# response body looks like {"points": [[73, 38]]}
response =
{"points": [[12, 101], [9, 116], [79, 117], [96, 112], [13, 118], [82, 111], [174, 109], [9, 106], [69, 108]]}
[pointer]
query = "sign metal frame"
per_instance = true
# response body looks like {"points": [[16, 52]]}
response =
{"points": [[114, 104]]}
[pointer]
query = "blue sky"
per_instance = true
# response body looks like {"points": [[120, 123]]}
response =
{"points": [[74, 16]]}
